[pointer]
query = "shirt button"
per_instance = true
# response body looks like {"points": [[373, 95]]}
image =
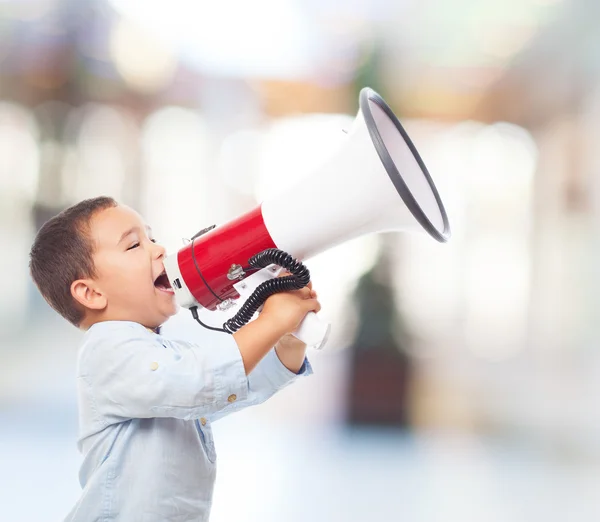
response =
{"points": [[154, 366], [203, 421], [232, 397]]}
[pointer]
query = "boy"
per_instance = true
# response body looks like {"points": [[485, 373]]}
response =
{"points": [[146, 403]]}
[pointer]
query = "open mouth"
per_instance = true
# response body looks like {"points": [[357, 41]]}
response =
{"points": [[162, 283]]}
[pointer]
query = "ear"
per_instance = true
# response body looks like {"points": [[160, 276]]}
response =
{"points": [[87, 294]]}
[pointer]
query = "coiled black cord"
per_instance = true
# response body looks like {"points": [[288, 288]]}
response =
{"points": [[299, 278]]}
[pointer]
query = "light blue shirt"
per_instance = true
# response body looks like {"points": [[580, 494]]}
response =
{"points": [[146, 404]]}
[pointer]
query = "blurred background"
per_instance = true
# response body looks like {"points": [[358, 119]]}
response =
{"points": [[462, 380]]}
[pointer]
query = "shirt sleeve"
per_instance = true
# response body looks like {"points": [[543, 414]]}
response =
{"points": [[138, 377], [269, 376]]}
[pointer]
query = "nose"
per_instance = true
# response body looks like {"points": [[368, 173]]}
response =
{"points": [[159, 251]]}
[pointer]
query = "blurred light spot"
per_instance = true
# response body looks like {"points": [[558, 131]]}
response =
{"points": [[504, 153], [497, 294], [176, 202], [19, 170], [235, 37], [19, 153], [239, 160], [173, 139], [97, 165], [146, 63], [498, 262]]}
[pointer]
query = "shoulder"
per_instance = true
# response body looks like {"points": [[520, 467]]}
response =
{"points": [[110, 337]]}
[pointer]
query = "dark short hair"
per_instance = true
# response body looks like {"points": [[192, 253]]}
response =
{"points": [[62, 253]]}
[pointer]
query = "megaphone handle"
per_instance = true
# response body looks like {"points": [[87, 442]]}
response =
{"points": [[313, 331]]}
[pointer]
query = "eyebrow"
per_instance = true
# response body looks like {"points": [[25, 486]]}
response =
{"points": [[134, 229]]}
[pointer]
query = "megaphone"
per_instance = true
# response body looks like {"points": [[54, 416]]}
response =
{"points": [[375, 182]]}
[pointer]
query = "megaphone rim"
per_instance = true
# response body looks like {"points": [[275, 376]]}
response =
{"points": [[367, 94]]}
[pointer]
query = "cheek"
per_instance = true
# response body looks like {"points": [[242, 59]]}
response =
{"points": [[126, 277]]}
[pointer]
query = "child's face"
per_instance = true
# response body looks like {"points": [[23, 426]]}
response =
{"points": [[127, 263]]}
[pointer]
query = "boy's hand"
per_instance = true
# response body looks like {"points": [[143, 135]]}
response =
{"points": [[281, 315], [291, 350], [286, 310]]}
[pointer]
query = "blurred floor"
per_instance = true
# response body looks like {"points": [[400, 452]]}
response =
{"points": [[272, 472], [290, 460]]}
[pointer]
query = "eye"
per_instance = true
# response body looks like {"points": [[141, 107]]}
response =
{"points": [[133, 246]]}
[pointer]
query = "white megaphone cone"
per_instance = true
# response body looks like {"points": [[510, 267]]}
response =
{"points": [[375, 182]]}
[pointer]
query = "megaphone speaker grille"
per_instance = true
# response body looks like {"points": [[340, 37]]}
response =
{"points": [[404, 165]]}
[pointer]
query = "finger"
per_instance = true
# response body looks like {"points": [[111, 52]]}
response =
{"points": [[313, 294], [303, 293], [312, 305]]}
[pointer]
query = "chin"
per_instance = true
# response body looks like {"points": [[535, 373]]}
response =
{"points": [[168, 313], [173, 309]]}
